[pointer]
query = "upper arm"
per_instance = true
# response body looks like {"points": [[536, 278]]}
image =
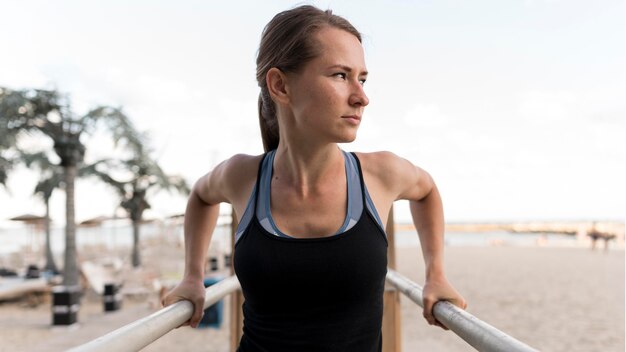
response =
{"points": [[415, 182]]}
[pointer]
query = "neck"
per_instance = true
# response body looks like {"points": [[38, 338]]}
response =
{"points": [[307, 168]]}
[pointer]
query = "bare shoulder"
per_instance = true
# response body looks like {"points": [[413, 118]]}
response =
{"points": [[230, 181], [395, 175], [376, 161], [385, 166], [240, 167]]}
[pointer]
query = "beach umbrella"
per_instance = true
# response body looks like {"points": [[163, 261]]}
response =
{"points": [[29, 219], [35, 223], [97, 221]]}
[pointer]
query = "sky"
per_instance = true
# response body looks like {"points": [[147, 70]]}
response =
{"points": [[516, 108]]}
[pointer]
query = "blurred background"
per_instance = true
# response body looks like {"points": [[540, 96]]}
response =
{"points": [[515, 108]]}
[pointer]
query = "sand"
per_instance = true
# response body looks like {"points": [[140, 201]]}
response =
{"points": [[554, 299]]}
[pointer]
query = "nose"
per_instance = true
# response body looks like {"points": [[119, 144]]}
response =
{"points": [[358, 96]]}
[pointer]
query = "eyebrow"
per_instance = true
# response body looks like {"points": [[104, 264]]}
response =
{"points": [[347, 69]]}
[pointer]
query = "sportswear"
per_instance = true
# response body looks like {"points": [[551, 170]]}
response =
{"points": [[319, 294]]}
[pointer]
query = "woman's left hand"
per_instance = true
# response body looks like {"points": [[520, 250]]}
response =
{"points": [[439, 289]]}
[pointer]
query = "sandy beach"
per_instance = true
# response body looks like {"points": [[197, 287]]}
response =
{"points": [[554, 299]]}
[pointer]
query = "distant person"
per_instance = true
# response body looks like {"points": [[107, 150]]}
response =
{"points": [[311, 250], [607, 237], [595, 235]]}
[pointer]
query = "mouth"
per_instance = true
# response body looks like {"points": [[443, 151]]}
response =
{"points": [[352, 118]]}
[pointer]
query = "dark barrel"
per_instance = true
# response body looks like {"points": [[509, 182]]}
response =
{"points": [[65, 304], [214, 264], [112, 298]]}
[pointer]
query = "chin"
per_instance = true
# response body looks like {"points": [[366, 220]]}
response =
{"points": [[347, 139]]}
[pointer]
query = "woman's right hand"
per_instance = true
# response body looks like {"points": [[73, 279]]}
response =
{"points": [[190, 290]]}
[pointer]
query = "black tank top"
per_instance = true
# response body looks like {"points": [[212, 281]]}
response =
{"points": [[312, 294]]}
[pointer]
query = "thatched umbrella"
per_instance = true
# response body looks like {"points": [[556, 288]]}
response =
{"points": [[35, 223], [97, 221], [30, 219]]}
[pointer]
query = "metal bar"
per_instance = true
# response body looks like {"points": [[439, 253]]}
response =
{"points": [[475, 332], [141, 333]]}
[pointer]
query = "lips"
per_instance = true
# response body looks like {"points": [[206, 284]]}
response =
{"points": [[352, 118]]}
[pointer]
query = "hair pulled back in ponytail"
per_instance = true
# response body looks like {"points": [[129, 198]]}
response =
{"points": [[287, 43]]}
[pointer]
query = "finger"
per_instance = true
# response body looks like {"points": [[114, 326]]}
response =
{"points": [[459, 303], [169, 300], [197, 314], [435, 321], [183, 324], [428, 311], [439, 324]]}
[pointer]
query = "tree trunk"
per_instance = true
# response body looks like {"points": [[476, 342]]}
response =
{"points": [[136, 255], [50, 264], [70, 270]]}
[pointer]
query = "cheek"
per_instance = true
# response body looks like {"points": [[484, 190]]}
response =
{"points": [[328, 97], [318, 100]]}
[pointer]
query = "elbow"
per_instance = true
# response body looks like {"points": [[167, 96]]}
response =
{"points": [[199, 192]]}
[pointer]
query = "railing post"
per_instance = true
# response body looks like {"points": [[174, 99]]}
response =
{"points": [[236, 298], [392, 328]]}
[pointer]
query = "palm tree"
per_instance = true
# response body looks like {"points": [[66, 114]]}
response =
{"points": [[145, 175], [52, 177], [49, 113], [5, 163], [8, 134]]}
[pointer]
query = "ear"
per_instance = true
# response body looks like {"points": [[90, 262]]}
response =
{"points": [[277, 85]]}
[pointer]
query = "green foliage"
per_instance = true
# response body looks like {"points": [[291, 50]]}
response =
{"points": [[144, 175], [48, 113]]}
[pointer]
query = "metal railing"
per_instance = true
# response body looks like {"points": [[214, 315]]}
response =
{"points": [[475, 332], [143, 332]]}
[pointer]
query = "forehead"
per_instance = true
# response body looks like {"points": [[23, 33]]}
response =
{"points": [[338, 47]]}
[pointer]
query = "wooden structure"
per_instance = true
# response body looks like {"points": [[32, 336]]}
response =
{"points": [[392, 324], [236, 298]]}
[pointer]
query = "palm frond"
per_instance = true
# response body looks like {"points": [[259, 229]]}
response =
{"points": [[92, 170], [29, 108], [38, 159], [5, 166], [46, 186], [120, 126]]}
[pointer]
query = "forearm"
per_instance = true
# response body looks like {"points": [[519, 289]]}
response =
{"points": [[428, 218], [200, 221]]}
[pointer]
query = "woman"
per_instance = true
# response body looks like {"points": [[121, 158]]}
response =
{"points": [[310, 249]]}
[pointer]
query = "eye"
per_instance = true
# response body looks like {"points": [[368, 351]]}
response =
{"points": [[340, 75], [362, 81]]}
